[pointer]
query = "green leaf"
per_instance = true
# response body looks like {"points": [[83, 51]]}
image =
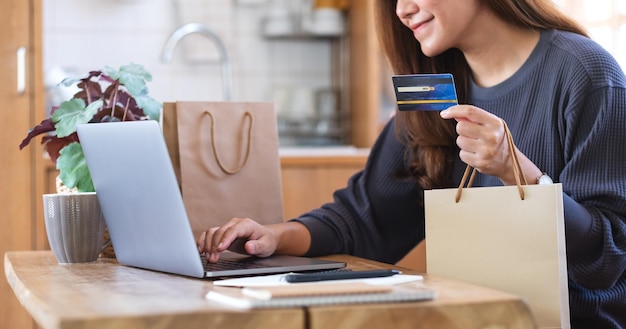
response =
{"points": [[131, 69], [133, 77], [150, 106], [72, 113], [135, 85], [70, 81], [74, 172], [111, 72], [138, 70]]}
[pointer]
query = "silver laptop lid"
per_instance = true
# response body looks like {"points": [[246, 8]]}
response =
{"points": [[139, 196]]}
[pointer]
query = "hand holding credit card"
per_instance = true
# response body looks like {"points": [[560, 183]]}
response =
{"points": [[424, 92]]}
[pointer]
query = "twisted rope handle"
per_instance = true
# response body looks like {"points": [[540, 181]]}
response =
{"points": [[520, 179], [248, 147]]}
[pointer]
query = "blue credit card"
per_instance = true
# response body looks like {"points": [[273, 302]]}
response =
{"points": [[424, 92]]}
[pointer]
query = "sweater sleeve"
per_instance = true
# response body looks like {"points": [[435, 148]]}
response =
{"points": [[594, 182], [377, 215]]}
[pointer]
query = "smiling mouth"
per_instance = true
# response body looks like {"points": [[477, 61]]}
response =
{"points": [[415, 27]]}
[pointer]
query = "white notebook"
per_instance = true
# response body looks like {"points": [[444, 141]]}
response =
{"points": [[299, 295]]}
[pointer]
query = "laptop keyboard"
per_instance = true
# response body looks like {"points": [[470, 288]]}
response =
{"points": [[225, 264]]}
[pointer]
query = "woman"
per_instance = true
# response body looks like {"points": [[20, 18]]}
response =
{"points": [[521, 61]]}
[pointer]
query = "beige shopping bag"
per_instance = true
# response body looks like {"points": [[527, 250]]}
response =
{"points": [[225, 155], [510, 238]]}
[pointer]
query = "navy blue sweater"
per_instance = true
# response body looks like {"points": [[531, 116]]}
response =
{"points": [[566, 108]]}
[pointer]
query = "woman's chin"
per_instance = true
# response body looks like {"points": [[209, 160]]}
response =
{"points": [[431, 50]]}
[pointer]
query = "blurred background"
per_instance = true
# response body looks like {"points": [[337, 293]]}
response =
{"points": [[291, 52], [295, 53]]}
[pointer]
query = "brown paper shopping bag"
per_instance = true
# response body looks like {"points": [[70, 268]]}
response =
{"points": [[509, 238], [225, 155]]}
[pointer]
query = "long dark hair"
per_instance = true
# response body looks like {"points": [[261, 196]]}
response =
{"points": [[431, 140]]}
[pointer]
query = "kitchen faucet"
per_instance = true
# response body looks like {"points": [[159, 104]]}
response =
{"points": [[190, 28]]}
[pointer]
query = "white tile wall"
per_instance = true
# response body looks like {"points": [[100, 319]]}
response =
{"points": [[81, 35]]}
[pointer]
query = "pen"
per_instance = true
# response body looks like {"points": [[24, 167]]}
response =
{"points": [[338, 275]]}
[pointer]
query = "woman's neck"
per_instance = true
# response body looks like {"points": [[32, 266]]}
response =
{"points": [[495, 50]]}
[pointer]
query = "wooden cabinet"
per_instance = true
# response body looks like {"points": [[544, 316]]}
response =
{"points": [[22, 97], [309, 181], [365, 74]]}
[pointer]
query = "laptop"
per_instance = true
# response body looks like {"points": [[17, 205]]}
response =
{"points": [[144, 210]]}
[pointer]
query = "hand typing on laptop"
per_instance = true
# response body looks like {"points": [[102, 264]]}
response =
{"points": [[244, 235]]}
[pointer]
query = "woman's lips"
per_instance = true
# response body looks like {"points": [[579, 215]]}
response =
{"points": [[415, 27]]}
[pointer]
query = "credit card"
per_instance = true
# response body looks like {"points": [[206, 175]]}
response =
{"points": [[424, 92]]}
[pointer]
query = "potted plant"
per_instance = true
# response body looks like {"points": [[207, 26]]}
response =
{"points": [[105, 95]]}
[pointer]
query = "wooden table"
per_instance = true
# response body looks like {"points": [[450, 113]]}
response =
{"points": [[105, 294]]}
